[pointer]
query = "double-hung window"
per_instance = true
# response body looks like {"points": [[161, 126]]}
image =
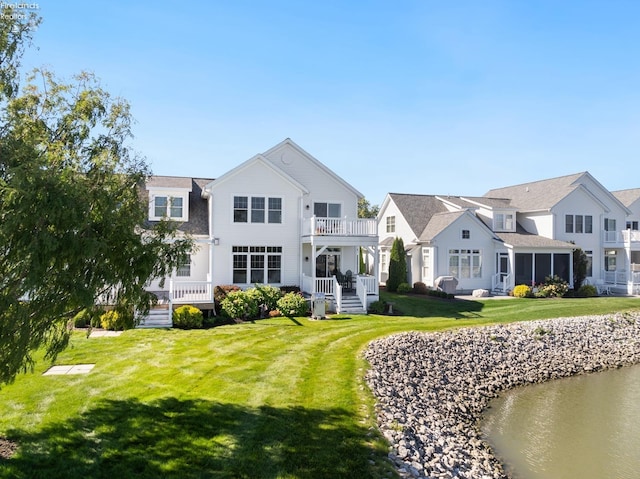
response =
{"points": [[391, 224], [171, 207], [257, 209], [578, 224], [184, 270]]}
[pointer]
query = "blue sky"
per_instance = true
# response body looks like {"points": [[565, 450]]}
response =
{"points": [[438, 97]]}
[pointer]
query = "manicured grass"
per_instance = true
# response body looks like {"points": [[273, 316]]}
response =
{"points": [[277, 398]]}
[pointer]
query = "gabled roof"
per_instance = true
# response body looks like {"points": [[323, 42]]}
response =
{"points": [[538, 195], [627, 197], [292, 144], [252, 161], [417, 210], [494, 203], [438, 223]]}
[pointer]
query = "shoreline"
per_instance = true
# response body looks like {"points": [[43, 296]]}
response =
{"points": [[432, 388]]}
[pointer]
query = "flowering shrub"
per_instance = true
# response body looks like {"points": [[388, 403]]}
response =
{"points": [[553, 287], [293, 304], [187, 317], [240, 305], [522, 291], [268, 296]]}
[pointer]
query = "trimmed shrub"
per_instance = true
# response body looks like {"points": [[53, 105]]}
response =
{"points": [[187, 317], [553, 287], [293, 304], [420, 288], [522, 291], [377, 307], [268, 296], [117, 320], [88, 317], [220, 292], [587, 291], [404, 288], [240, 305]]}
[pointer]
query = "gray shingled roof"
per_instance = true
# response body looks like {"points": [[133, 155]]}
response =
{"points": [[438, 223], [538, 195], [198, 223], [530, 240], [417, 209], [490, 202], [627, 197]]}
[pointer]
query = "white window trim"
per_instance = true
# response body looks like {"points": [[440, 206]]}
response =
{"points": [[502, 226], [170, 196], [266, 253], [266, 210], [328, 202]]}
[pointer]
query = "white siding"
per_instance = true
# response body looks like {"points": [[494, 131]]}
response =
{"points": [[256, 180], [481, 239], [199, 266]]}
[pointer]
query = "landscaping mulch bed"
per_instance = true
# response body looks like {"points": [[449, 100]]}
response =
{"points": [[7, 448]]}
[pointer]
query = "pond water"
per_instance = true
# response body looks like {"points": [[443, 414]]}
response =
{"points": [[584, 427]]}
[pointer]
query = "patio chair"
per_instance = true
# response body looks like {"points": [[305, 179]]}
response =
{"points": [[602, 288]]}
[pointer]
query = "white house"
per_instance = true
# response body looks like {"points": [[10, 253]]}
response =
{"points": [[280, 218], [515, 235]]}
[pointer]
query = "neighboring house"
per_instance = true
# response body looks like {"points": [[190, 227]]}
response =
{"points": [[280, 218], [514, 235]]}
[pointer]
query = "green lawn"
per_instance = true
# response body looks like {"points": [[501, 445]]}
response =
{"points": [[277, 398]]}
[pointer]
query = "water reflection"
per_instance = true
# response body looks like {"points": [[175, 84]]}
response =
{"points": [[583, 427]]}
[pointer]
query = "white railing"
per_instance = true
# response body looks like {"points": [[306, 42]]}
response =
{"points": [[616, 277], [610, 237], [500, 282], [361, 291], [370, 283], [339, 227], [631, 236], [337, 289], [183, 292]]}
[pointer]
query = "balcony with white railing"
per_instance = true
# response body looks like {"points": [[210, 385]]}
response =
{"points": [[315, 226], [626, 237]]}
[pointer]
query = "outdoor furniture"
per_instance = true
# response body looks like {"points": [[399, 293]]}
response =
{"points": [[602, 288]]}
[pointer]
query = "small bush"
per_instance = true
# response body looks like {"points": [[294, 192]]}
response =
{"points": [[587, 291], [117, 320], [187, 317], [377, 307], [220, 292], [268, 296], [404, 288], [293, 304], [522, 291], [553, 287], [88, 317], [240, 305], [420, 288]]}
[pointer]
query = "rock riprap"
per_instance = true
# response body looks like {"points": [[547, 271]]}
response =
{"points": [[432, 388]]}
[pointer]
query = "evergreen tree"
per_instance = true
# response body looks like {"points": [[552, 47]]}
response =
{"points": [[397, 265], [580, 263]]}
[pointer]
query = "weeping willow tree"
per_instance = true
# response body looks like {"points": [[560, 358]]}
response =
{"points": [[72, 219]]}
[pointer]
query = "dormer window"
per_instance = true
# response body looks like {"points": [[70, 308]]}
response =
{"points": [[168, 206], [503, 222]]}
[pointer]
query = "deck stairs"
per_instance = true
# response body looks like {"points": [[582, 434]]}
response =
{"points": [[159, 317], [351, 304]]}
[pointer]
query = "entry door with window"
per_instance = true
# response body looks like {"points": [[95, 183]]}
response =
{"points": [[502, 268], [328, 264]]}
